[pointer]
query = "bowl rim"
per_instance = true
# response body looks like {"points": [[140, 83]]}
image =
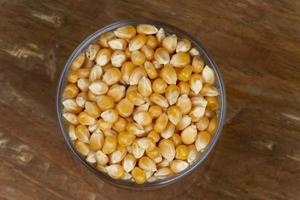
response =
{"points": [[221, 115]]}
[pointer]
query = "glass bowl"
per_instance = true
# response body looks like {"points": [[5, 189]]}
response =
{"points": [[220, 112]]}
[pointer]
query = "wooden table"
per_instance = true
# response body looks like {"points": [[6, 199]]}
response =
{"points": [[256, 45]]}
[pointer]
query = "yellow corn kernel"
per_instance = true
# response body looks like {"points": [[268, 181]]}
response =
{"points": [[91, 96], [125, 107], [180, 59], [70, 91], [135, 97], [81, 99], [213, 123], [138, 58], [196, 113], [96, 141], [146, 143], [150, 69], [83, 84], [72, 76], [147, 29], [137, 151], [103, 56], [196, 83], [98, 87], [118, 58], [167, 149], [154, 154], [71, 106], [209, 113], [112, 76], [92, 51], [194, 52], [120, 125], [193, 155], [105, 37], [110, 144], [172, 94], [125, 32], [154, 136], [85, 119], [82, 133], [118, 155], [137, 42], [144, 87], [184, 103], [71, 118], [115, 171], [168, 132], [184, 122], [125, 139], [160, 35], [143, 118], [185, 73], [155, 111], [135, 129], [143, 107], [208, 75], [203, 123], [96, 73], [163, 172], [147, 164], [168, 74], [176, 139], [161, 123], [159, 100], [174, 114], [199, 101], [117, 92], [197, 64], [162, 56], [156, 64], [82, 148], [136, 75], [202, 140], [126, 71], [212, 103], [183, 45], [71, 132], [101, 158], [138, 175], [178, 165], [78, 61], [127, 53], [148, 52], [129, 162], [189, 134], [110, 115], [184, 87], [105, 102], [209, 90], [170, 43], [92, 109], [103, 125], [117, 44], [182, 152], [164, 163], [159, 86], [152, 41]]}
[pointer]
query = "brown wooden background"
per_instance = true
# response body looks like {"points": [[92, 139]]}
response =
{"points": [[256, 44]]}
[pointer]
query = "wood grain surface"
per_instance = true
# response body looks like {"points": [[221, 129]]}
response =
{"points": [[256, 44]]}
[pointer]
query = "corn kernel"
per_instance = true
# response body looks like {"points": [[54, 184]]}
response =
{"points": [[203, 123], [209, 90], [209, 113], [196, 113], [143, 118], [103, 125], [137, 151], [184, 122], [96, 141], [71, 106], [110, 115], [92, 51], [164, 163], [146, 143], [172, 94], [162, 56], [199, 101], [170, 43], [194, 52], [174, 114], [148, 52], [136, 75], [110, 144], [125, 139], [90, 158], [138, 175], [96, 73], [103, 57], [98, 87], [105, 102], [115, 171], [85, 119], [151, 41], [160, 35], [78, 61], [213, 123], [118, 155], [168, 132], [182, 152], [150, 69], [161, 123], [129, 162], [144, 87], [185, 73], [71, 118], [70, 91], [137, 42], [180, 59], [81, 99], [212, 103], [125, 107], [196, 83], [147, 29], [71, 132], [135, 97], [159, 100], [82, 133], [184, 103], [154, 136], [118, 58], [72, 76], [189, 134], [178, 165], [167, 149], [117, 44], [154, 154], [135, 129], [176, 139], [112, 76], [147, 164], [197, 64], [125, 32], [105, 37], [92, 109], [193, 154], [168, 74], [83, 84], [120, 125], [138, 58], [117, 92], [163, 172], [126, 71], [202, 140], [184, 87], [183, 45], [159, 86], [208, 75], [82, 148], [101, 158], [156, 64], [155, 111]]}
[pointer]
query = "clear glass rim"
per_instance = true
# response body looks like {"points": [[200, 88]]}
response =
{"points": [[206, 57]]}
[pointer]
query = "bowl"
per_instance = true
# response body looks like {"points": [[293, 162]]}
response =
{"points": [[220, 112]]}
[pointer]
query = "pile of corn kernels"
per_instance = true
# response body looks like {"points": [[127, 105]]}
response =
{"points": [[140, 104]]}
